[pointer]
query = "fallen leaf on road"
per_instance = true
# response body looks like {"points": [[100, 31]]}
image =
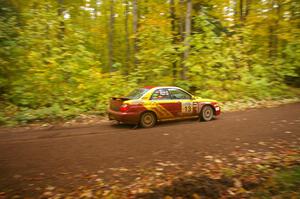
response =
{"points": [[215, 176], [87, 194], [50, 188], [237, 183], [162, 164], [209, 157], [231, 191], [47, 194], [262, 143], [189, 173], [241, 158], [64, 173], [158, 173], [123, 169], [106, 192], [196, 196], [17, 176], [218, 161]]}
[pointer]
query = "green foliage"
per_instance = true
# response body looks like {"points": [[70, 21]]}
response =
{"points": [[154, 62], [8, 50], [54, 56]]}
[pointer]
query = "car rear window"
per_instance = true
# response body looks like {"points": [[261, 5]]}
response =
{"points": [[137, 93]]}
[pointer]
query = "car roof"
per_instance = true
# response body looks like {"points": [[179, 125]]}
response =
{"points": [[157, 87]]}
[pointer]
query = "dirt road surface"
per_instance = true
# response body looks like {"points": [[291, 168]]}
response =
{"points": [[46, 157]]}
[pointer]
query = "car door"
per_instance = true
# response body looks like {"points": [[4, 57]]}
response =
{"points": [[162, 104], [182, 103]]}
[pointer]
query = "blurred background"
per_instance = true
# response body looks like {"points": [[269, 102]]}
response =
{"points": [[61, 58]]}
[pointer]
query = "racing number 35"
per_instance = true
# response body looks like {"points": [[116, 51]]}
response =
{"points": [[187, 107]]}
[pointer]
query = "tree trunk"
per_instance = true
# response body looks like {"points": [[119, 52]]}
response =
{"points": [[181, 22], [173, 19], [247, 9], [127, 67], [241, 10], [181, 33], [135, 27], [187, 37], [48, 48], [234, 6], [111, 37], [277, 20], [273, 38]]}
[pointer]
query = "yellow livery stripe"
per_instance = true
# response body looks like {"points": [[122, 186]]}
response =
{"points": [[160, 111]]}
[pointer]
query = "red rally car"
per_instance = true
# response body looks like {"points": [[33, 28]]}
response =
{"points": [[145, 106]]}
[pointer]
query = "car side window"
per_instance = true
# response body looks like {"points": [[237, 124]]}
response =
{"points": [[179, 94], [161, 94]]}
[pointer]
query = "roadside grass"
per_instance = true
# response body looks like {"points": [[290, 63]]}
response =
{"points": [[283, 184], [11, 116], [243, 104]]}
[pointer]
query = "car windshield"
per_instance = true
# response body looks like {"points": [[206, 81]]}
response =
{"points": [[137, 93]]}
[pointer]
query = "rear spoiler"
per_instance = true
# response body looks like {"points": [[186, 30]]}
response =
{"points": [[120, 98]]}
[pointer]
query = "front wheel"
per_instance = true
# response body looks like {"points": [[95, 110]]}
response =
{"points": [[148, 120], [206, 113]]}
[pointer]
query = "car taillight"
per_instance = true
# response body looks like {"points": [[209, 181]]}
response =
{"points": [[124, 107], [217, 107]]}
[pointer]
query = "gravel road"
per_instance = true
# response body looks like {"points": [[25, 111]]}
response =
{"points": [[46, 157]]}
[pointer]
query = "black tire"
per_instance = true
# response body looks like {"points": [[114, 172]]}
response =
{"points": [[148, 120], [207, 113]]}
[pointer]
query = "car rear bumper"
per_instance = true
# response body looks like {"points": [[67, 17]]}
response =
{"points": [[125, 117]]}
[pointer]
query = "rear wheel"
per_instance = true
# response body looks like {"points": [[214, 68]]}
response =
{"points": [[207, 113], [148, 120]]}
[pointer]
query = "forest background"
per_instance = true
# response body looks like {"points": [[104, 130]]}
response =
{"points": [[61, 58]]}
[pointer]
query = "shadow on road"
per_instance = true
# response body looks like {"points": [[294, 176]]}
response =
{"points": [[159, 124]]}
